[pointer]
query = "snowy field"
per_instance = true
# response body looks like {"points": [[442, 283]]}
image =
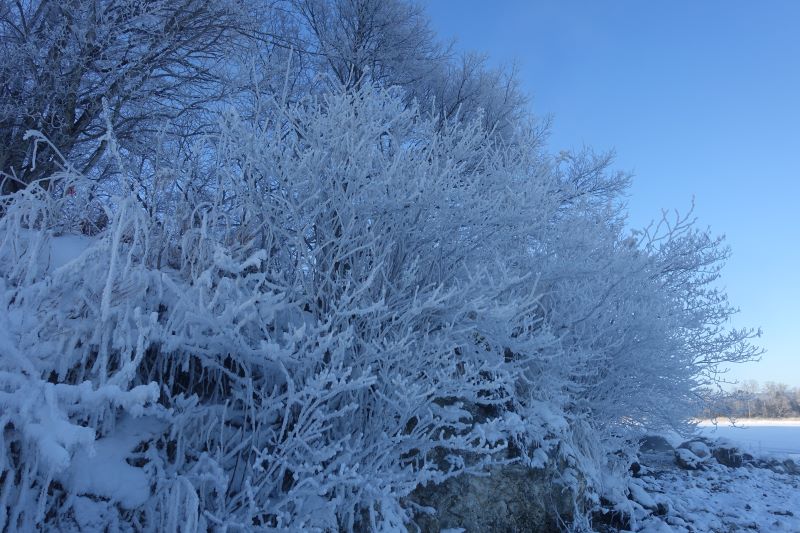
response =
{"points": [[759, 436]]}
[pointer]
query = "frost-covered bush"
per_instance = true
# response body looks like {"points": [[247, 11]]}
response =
{"points": [[320, 311]]}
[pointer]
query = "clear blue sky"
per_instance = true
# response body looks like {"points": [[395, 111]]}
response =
{"points": [[698, 98]]}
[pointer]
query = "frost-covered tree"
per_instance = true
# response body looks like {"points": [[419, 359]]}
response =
{"points": [[334, 265], [369, 41], [309, 44], [153, 64], [359, 300]]}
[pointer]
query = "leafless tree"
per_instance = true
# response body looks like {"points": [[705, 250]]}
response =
{"points": [[151, 64], [389, 43]]}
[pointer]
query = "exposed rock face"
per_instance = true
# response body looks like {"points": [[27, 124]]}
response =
{"points": [[510, 499], [791, 467], [779, 466], [729, 456], [655, 443]]}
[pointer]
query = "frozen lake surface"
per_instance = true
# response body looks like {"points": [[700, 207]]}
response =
{"points": [[771, 437]]}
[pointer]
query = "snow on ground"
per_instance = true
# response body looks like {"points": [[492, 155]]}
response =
{"points": [[103, 471], [723, 499], [763, 495], [66, 248]]}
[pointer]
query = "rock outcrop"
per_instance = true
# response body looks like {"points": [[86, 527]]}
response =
{"points": [[511, 498]]}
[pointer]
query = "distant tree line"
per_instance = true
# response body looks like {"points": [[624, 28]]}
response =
{"points": [[753, 400]]}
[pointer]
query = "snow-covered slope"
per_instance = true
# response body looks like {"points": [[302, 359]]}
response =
{"points": [[762, 495]]}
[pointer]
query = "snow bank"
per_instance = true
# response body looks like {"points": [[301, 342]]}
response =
{"points": [[103, 470], [719, 498]]}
